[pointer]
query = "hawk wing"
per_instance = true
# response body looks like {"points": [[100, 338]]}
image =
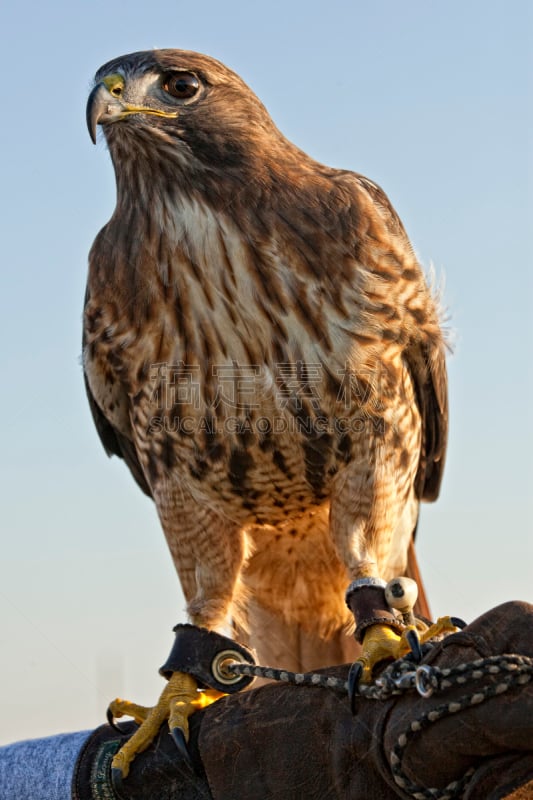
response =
{"points": [[427, 367], [115, 443], [430, 382]]}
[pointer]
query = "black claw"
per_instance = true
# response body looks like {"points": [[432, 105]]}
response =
{"points": [[414, 644], [354, 676], [117, 780], [179, 740], [111, 721], [458, 622]]}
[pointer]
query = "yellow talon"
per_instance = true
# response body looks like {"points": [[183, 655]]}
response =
{"points": [[442, 625], [206, 697], [123, 708], [179, 699], [381, 642]]}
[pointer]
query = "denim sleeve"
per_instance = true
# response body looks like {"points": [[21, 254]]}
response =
{"points": [[40, 768]]}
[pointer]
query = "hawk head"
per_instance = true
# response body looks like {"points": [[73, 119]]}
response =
{"points": [[169, 109]]}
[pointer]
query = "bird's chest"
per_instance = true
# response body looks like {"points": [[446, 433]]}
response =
{"points": [[262, 439], [229, 374]]}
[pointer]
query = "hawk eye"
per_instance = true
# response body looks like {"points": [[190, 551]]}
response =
{"points": [[182, 85]]}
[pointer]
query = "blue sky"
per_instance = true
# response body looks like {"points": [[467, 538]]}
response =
{"points": [[433, 101]]}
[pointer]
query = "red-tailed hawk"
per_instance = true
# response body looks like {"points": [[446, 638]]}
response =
{"points": [[261, 348]]}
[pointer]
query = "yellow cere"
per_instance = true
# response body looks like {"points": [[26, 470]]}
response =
{"points": [[115, 85]]}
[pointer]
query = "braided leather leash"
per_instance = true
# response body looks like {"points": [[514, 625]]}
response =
{"points": [[404, 675]]}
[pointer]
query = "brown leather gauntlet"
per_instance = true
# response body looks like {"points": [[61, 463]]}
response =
{"points": [[284, 742]]}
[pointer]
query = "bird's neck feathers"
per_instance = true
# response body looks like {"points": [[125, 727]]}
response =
{"points": [[173, 206], [163, 165], [186, 225], [169, 238]]}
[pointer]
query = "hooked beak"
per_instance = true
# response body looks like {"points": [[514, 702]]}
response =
{"points": [[105, 104]]}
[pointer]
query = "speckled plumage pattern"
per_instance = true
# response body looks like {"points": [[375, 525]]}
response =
{"points": [[261, 347]]}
